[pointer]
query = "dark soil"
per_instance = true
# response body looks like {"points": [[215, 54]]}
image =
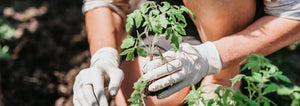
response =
{"points": [[51, 49]]}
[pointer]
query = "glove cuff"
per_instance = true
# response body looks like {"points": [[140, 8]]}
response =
{"points": [[107, 55], [209, 50], [92, 4]]}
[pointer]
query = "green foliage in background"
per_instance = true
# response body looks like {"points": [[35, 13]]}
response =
{"points": [[265, 78], [6, 32]]}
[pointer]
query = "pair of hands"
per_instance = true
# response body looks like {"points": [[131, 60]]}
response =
{"points": [[185, 67]]}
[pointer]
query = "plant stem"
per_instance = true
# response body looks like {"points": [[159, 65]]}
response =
{"points": [[260, 86], [250, 94], [144, 104], [149, 43]]}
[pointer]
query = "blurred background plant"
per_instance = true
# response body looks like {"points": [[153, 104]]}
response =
{"points": [[43, 46], [7, 32]]}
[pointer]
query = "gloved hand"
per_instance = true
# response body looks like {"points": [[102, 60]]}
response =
{"points": [[89, 83], [185, 67]]}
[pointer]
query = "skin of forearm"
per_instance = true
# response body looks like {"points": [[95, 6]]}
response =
{"points": [[104, 29], [265, 36]]}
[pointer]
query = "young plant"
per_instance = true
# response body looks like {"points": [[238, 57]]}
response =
{"points": [[136, 98], [265, 79], [164, 20]]}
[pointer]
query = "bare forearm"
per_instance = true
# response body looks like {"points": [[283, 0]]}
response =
{"points": [[265, 36], [104, 29]]}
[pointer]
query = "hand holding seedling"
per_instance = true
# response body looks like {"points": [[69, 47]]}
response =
{"points": [[164, 20], [183, 68]]}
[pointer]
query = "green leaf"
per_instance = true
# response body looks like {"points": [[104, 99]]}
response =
{"points": [[128, 27], [256, 77], [296, 88], [134, 93], [179, 37], [180, 17], [188, 11], [176, 7], [172, 13], [141, 52], [154, 12], [253, 65], [219, 103], [175, 40], [5, 55], [266, 101], [138, 18], [296, 95], [181, 20], [273, 69], [180, 30], [168, 33], [270, 88], [194, 16], [165, 6], [284, 78], [128, 42], [143, 95], [129, 22], [284, 91], [163, 21], [134, 99], [237, 78], [210, 102], [219, 88], [143, 85], [145, 8], [226, 95], [130, 56], [127, 51], [154, 25], [138, 83], [253, 103], [146, 22], [296, 102], [239, 97]]}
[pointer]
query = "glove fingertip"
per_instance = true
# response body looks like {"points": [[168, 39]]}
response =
{"points": [[103, 100], [145, 77], [113, 91]]}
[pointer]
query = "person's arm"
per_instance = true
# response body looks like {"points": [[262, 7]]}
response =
{"points": [[265, 36], [104, 29], [192, 62], [104, 24]]}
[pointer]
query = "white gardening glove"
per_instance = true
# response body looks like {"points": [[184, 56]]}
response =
{"points": [[185, 67], [89, 83]]}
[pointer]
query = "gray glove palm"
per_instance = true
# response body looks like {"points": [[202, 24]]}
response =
{"points": [[185, 67]]}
